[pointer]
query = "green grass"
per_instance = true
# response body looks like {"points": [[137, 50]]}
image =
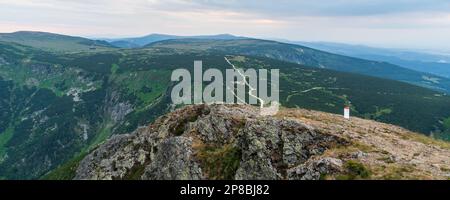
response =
{"points": [[399, 172], [219, 163], [114, 68], [354, 170], [102, 135]]}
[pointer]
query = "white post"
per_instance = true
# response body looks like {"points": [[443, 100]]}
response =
{"points": [[347, 112]]}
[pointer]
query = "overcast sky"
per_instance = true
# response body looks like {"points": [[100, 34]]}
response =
{"points": [[389, 23]]}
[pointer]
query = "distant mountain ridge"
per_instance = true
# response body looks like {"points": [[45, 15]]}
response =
{"points": [[437, 64], [54, 42], [136, 42]]}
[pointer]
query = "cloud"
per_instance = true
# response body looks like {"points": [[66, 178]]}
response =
{"points": [[425, 22], [293, 8], [325, 7]]}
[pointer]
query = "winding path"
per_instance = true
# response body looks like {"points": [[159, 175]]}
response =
{"points": [[251, 89]]}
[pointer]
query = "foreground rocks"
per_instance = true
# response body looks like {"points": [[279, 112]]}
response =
{"points": [[235, 142]]}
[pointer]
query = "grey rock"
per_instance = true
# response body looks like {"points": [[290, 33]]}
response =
{"points": [[314, 169], [174, 161], [358, 155], [270, 148]]}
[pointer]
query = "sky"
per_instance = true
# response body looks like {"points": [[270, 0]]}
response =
{"points": [[417, 24]]}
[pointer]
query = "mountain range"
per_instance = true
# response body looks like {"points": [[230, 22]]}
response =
{"points": [[137, 42], [433, 63]]}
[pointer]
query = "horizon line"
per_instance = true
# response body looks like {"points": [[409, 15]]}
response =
{"points": [[283, 40]]}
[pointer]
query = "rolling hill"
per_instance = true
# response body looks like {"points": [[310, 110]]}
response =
{"points": [[54, 42], [148, 39]]}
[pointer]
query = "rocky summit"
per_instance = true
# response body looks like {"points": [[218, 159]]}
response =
{"points": [[235, 142]]}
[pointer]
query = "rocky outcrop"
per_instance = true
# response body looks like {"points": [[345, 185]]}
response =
{"points": [[314, 169], [232, 142], [116, 109]]}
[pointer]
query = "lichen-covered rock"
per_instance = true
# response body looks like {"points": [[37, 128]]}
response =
{"points": [[170, 148], [174, 161], [260, 143], [236, 142], [109, 161], [241, 145], [314, 169]]}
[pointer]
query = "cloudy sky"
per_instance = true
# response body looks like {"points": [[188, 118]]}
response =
{"points": [[423, 24]]}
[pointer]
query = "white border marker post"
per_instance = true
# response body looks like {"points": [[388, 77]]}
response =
{"points": [[347, 112]]}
